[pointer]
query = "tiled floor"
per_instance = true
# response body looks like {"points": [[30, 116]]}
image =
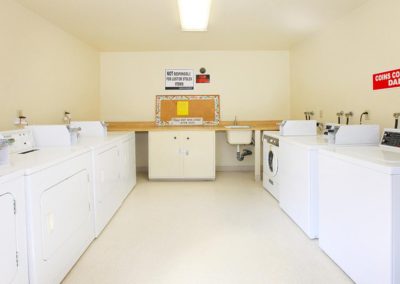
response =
{"points": [[227, 231]]}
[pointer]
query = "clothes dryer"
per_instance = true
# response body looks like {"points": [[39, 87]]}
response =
{"points": [[13, 242], [59, 205], [114, 168]]}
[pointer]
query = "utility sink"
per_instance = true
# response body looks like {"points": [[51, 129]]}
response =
{"points": [[238, 134]]}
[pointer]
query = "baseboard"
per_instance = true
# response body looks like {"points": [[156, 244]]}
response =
{"points": [[142, 169], [250, 168], [235, 168]]}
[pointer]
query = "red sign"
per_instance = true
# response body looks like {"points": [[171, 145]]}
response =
{"points": [[203, 78], [386, 80]]}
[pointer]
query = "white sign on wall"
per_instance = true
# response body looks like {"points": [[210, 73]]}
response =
{"points": [[179, 79]]}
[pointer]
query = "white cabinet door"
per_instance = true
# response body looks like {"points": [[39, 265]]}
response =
{"points": [[199, 154], [165, 159]]}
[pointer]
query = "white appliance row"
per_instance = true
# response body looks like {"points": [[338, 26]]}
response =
{"points": [[294, 179], [70, 196], [344, 189]]}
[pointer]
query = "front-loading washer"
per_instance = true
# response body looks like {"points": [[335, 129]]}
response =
{"points": [[359, 205], [271, 162], [59, 205]]}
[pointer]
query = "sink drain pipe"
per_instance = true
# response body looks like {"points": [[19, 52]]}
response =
{"points": [[240, 155]]}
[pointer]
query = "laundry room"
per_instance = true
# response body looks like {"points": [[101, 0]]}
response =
{"points": [[199, 141]]}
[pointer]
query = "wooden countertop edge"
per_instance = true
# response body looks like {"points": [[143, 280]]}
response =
{"points": [[145, 126]]}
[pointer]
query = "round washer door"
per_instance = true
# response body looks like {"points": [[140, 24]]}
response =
{"points": [[272, 162]]}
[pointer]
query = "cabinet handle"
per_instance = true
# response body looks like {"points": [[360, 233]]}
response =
{"points": [[187, 138], [175, 137]]}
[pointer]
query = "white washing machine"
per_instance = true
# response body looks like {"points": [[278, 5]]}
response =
{"points": [[298, 171], [298, 181], [271, 162], [13, 243], [59, 205], [359, 207], [114, 168]]}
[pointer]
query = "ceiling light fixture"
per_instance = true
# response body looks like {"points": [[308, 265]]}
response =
{"points": [[194, 15]]}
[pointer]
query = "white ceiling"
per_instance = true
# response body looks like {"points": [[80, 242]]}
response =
{"points": [[147, 25]]}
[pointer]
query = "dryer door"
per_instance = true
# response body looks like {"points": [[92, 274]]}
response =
{"points": [[65, 208], [8, 239]]}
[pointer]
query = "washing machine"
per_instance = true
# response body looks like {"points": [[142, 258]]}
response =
{"points": [[271, 162], [59, 204], [114, 168], [298, 171], [359, 209], [298, 182], [13, 243]]}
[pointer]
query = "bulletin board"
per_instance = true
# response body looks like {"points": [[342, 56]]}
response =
{"points": [[169, 107]]}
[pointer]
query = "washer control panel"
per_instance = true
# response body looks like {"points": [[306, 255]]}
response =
{"points": [[271, 140], [23, 140], [391, 138]]}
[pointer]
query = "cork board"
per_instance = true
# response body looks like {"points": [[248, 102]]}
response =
{"points": [[182, 106]]}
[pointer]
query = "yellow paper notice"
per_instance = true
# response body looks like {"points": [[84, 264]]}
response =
{"points": [[182, 108]]}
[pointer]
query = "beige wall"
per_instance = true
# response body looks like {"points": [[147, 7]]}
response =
{"points": [[252, 86], [43, 70], [332, 71]]}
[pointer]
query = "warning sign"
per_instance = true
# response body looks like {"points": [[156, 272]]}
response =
{"points": [[202, 78], [179, 79], [386, 80]]}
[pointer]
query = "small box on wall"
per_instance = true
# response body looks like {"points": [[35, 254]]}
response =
{"points": [[202, 78]]}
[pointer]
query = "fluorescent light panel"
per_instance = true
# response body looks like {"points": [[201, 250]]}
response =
{"points": [[194, 14]]}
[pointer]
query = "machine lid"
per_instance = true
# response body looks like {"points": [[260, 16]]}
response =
{"points": [[379, 158]]}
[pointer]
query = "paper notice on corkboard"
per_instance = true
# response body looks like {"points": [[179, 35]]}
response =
{"points": [[169, 107], [182, 108]]}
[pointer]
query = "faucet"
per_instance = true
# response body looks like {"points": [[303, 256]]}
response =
{"points": [[235, 121], [339, 116], [348, 115], [67, 117]]}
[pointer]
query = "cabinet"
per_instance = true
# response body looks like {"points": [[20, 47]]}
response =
{"points": [[182, 155]]}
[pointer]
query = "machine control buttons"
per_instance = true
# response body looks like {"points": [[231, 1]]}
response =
{"points": [[271, 140], [391, 139]]}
